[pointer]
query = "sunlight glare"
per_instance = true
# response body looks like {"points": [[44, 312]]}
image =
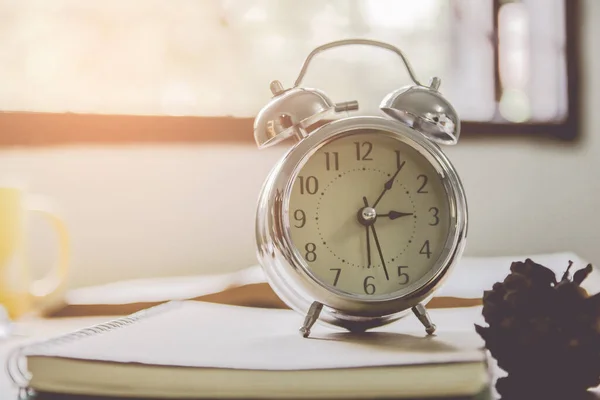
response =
{"points": [[404, 14]]}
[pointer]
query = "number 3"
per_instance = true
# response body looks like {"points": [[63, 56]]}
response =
{"points": [[436, 211]]}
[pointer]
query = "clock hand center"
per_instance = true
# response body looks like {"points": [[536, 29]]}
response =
{"points": [[366, 215]]}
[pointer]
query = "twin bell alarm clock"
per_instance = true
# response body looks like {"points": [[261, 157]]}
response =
{"points": [[364, 217]]}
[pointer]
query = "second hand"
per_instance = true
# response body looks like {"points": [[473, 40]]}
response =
{"points": [[380, 253]]}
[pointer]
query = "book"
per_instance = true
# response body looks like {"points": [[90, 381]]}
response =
{"points": [[195, 350]]}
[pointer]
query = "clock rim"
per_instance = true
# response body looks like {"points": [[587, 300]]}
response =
{"points": [[291, 276]]}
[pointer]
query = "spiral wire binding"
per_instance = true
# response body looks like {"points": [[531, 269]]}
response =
{"points": [[16, 365]]}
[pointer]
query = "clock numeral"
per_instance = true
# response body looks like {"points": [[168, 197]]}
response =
{"points": [[436, 218], [403, 275], [309, 185], [369, 287], [338, 271], [363, 150], [310, 248], [425, 179], [300, 216], [336, 160], [399, 163], [425, 249]]}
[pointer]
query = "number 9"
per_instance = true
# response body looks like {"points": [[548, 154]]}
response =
{"points": [[300, 216]]}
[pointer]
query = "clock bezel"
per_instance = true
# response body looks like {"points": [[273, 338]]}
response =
{"points": [[291, 276]]}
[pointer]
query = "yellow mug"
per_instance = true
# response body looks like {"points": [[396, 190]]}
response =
{"points": [[19, 293]]}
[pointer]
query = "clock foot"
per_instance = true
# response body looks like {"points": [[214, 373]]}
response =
{"points": [[311, 318], [421, 313]]}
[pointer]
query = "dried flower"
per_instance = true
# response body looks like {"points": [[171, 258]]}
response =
{"points": [[544, 333]]}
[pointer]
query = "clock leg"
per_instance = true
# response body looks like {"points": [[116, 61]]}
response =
{"points": [[311, 318], [423, 316]]}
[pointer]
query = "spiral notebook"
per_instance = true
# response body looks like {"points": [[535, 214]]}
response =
{"points": [[194, 350]]}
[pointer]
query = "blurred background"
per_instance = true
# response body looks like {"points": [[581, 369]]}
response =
{"points": [[135, 118]]}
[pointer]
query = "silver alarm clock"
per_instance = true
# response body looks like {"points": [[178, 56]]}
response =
{"points": [[364, 217]]}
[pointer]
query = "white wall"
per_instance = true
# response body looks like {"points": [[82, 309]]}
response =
{"points": [[162, 210]]}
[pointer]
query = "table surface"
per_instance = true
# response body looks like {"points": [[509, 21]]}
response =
{"points": [[35, 329]]}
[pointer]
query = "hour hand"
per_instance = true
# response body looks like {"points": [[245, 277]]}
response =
{"points": [[394, 214]]}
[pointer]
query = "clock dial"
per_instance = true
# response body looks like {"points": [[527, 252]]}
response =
{"points": [[369, 214]]}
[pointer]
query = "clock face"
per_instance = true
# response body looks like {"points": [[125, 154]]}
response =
{"points": [[369, 214]]}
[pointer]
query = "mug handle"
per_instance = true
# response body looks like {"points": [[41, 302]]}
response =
{"points": [[45, 287]]}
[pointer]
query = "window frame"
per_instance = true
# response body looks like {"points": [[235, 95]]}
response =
{"points": [[50, 129]]}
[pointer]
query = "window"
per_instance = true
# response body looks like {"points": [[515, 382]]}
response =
{"points": [[191, 66]]}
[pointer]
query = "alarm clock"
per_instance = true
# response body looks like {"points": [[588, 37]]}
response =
{"points": [[364, 217]]}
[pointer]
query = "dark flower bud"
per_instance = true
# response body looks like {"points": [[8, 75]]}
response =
{"points": [[539, 274], [544, 334], [580, 275]]}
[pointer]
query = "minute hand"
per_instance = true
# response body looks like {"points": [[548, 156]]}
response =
{"points": [[387, 186]]}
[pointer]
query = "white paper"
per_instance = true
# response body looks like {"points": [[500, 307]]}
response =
{"points": [[208, 335], [473, 275]]}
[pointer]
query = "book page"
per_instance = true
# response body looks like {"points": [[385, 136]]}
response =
{"points": [[195, 334]]}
